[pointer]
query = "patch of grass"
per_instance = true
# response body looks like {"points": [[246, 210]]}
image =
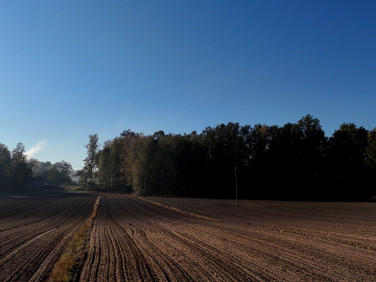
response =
{"points": [[67, 264]]}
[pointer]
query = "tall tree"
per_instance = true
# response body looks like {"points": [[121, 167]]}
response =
{"points": [[347, 160], [371, 149], [5, 167], [226, 150], [110, 165], [310, 158], [88, 175], [21, 173], [104, 164], [371, 162]]}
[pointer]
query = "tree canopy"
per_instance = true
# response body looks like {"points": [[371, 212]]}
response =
{"points": [[295, 161], [88, 174]]}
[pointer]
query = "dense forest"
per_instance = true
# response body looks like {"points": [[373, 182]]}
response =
{"points": [[295, 161]]}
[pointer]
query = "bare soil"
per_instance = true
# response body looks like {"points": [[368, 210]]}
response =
{"points": [[174, 239], [34, 232], [171, 239]]}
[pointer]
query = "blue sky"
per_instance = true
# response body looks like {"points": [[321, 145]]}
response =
{"points": [[69, 69]]}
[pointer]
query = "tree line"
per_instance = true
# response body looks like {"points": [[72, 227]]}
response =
{"points": [[17, 173], [294, 161]]}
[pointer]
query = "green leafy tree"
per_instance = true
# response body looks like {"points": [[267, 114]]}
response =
{"points": [[60, 173], [110, 165], [20, 171], [105, 165], [88, 175], [138, 156]]}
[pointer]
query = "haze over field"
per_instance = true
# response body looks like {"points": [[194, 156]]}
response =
{"points": [[70, 69]]}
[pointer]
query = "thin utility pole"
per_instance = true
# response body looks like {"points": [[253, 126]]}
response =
{"points": [[236, 187]]}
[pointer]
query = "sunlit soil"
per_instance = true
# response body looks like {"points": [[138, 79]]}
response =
{"points": [[173, 239]]}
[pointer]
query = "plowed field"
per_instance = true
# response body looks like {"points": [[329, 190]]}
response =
{"points": [[169, 239], [35, 231]]}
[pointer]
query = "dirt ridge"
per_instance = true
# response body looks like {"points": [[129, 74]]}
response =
{"points": [[134, 239], [40, 229], [179, 210], [65, 268]]}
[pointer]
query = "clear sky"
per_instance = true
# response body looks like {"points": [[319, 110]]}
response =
{"points": [[69, 69]]}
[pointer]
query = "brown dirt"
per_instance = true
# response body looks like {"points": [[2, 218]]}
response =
{"points": [[35, 231], [214, 240], [171, 239]]}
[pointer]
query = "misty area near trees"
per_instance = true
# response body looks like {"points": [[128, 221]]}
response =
{"points": [[293, 162], [18, 174]]}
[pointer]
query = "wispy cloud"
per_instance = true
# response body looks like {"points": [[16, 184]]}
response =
{"points": [[34, 150]]}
